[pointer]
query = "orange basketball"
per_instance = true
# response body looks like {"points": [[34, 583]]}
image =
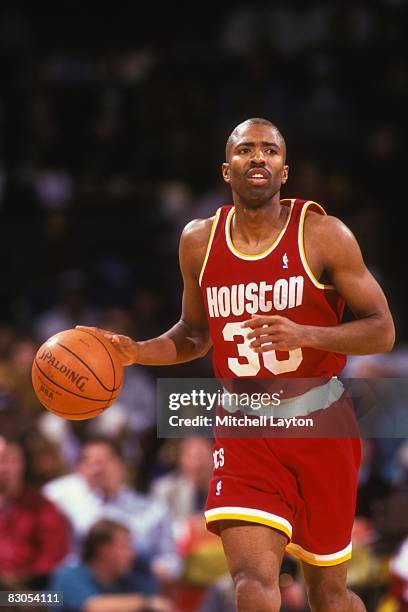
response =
{"points": [[77, 374]]}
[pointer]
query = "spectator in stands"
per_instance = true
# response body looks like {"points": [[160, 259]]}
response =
{"points": [[102, 580], [185, 489], [34, 536], [372, 486], [98, 489], [399, 577], [21, 360], [18, 403]]}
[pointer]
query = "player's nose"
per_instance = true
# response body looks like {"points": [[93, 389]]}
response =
{"points": [[258, 156]]}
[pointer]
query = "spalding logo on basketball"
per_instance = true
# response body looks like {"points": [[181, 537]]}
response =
{"points": [[77, 374]]}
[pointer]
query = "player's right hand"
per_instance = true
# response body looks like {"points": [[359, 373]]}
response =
{"points": [[128, 348]]}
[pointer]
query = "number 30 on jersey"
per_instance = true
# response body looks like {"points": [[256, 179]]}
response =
{"points": [[253, 365]]}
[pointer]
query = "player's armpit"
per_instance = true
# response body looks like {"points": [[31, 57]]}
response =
{"points": [[193, 321], [189, 338]]}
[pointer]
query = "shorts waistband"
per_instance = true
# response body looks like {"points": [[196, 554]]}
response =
{"points": [[318, 398]]}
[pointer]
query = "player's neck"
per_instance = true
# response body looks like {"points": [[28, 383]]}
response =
{"points": [[255, 223]]}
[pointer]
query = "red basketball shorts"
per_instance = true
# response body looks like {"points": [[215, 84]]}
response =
{"points": [[304, 487]]}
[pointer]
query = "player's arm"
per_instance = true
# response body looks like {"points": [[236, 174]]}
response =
{"points": [[337, 252], [189, 338]]}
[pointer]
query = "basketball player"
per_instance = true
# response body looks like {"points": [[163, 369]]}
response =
{"points": [[265, 283]]}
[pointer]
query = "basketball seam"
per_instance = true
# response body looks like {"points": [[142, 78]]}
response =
{"points": [[110, 356], [68, 390], [109, 390], [68, 414]]}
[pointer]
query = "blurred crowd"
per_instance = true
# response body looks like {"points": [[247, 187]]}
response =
{"points": [[113, 132]]}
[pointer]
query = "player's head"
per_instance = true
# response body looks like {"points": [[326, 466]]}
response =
{"points": [[255, 165]]}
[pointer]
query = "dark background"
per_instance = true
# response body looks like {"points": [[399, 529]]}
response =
{"points": [[114, 124]]}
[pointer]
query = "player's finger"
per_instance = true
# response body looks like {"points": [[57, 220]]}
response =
{"points": [[120, 340], [264, 330], [273, 346], [263, 340], [123, 344], [96, 330], [258, 321], [272, 338]]}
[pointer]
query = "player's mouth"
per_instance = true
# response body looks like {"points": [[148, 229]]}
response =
{"points": [[258, 176]]}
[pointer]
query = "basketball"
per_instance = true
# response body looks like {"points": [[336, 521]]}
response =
{"points": [[77, 374]]}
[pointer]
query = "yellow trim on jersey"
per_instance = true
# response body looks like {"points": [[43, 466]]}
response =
{"points": [[207, 253], [258, 255], [250, 519], [306, 266], [320, 560]]}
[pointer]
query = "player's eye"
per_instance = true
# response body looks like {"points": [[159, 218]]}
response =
{"points": [[271, 151], [243, 150]]}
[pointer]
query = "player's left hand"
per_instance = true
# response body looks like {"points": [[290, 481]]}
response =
{"points": [[274, 333]]}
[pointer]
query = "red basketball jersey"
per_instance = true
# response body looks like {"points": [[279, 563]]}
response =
{"points": [[277, 281]]}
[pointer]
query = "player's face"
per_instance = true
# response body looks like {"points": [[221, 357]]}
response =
{"points": [[256, 166]]}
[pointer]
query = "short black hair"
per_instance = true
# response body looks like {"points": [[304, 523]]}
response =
{"points": [[247, 122], [101, 532], [112, 444]]}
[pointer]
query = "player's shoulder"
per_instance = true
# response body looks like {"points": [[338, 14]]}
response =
{"points": [[197, 231], [326, 227], [194, 238], [330, 239], [193, 244]]}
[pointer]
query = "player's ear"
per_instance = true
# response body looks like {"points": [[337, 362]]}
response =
{"points": [[226, 172], [285, 174]]}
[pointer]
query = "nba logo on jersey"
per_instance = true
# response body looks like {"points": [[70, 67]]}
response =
{"points": [[285, 261], [218, 488]]}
